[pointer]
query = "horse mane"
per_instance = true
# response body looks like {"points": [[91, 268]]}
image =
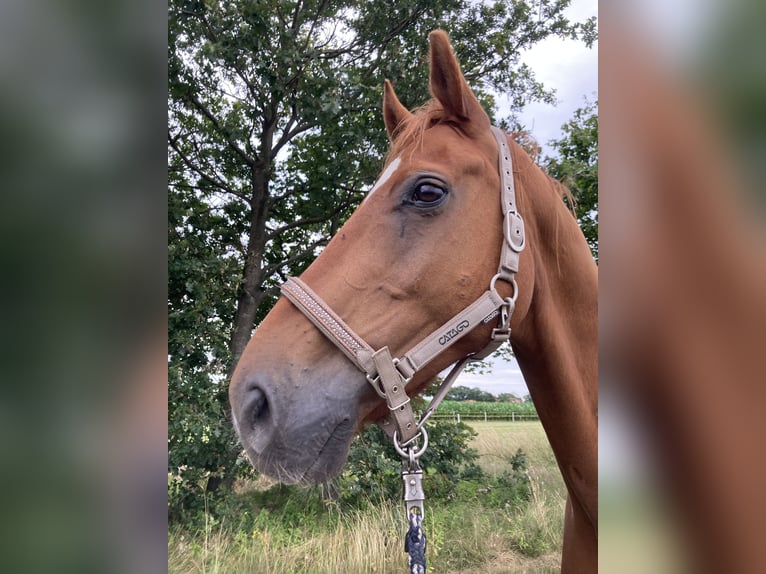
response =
{"points": [[529, 145], [532, 176]]}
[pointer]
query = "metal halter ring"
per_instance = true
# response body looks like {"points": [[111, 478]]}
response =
{"points": [[509, 280], [416, 454]]}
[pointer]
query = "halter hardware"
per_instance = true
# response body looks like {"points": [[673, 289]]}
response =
{"points": [[389, 375], [375, 382]]}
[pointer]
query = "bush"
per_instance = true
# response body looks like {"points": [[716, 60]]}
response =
{"points": [[371, 477], [203, 451], [373, 473]]}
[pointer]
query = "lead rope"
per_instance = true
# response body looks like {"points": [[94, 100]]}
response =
{"points": [[414, 497]]}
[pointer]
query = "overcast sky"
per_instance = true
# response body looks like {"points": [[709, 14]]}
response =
{"points": [[572, 70]]}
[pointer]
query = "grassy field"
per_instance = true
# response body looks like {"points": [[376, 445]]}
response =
{"points": [[543, 519], [465, 536]]}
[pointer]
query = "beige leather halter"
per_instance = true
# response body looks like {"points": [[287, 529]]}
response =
{"points": [[389, 376]]}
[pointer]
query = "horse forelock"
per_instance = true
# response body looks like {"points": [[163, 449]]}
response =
{"points": [[409, 134]]}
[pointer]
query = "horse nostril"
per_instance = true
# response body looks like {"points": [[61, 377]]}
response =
{"points": [[258, 406], [256, 416]]}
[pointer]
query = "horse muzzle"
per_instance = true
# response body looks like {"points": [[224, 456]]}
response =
{"points": [[290, 429]]}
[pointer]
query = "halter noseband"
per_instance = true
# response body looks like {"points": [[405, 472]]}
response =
{"points": [[389, 376]]}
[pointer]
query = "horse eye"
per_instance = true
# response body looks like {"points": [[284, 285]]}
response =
{"points": [[428, 194]]}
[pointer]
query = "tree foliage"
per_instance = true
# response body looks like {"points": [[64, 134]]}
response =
{"points": [[577, 167], [461, 393], [274, 135]]}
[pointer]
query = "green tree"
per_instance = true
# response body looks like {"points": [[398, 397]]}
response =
{"points": [[461, 393], [202, 448], [576, 166], [274, 134], [458, 393]]}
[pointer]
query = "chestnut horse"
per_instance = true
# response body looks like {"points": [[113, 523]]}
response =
{"points": [[421, 248]]}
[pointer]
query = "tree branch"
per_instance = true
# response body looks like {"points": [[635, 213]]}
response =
{"points": [[287, 136], [173, 141], [203, 109], [296, 15], [310, 35], [307, 252], [307, 221]]}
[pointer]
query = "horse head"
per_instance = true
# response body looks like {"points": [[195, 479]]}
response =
{"points": [[423, 245]]}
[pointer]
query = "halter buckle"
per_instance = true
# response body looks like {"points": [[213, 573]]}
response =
{"points": [[374, 380], [502, 332], [375, 383], [514, 231]]}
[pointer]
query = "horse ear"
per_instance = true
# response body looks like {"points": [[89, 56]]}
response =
{"points": [[449, 86], [394, 113]]}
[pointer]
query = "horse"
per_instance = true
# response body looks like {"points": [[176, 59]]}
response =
{"points": [[418, 251]]}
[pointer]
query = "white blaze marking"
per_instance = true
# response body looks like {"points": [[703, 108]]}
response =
{"points": [[384, 176]]}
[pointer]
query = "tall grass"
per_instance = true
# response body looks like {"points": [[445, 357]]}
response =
{"points": [[366, 541], [538, 527], [466, 535]]}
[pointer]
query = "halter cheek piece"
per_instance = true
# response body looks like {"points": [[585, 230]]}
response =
{"points": [[389, 376]]}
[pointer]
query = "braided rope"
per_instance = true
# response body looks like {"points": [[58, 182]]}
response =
{"points": [[415, 545]]}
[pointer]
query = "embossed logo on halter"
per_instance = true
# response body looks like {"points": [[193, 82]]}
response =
{"points": [[454, 332]]}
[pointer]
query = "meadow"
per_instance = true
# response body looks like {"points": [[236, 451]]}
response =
{"points": [[480, 529]]}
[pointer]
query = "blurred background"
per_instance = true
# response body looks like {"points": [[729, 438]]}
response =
{"points": [[681, 312], [82, 305]]}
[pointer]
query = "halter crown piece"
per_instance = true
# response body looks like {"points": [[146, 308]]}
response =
{"points": [[389, 376]]}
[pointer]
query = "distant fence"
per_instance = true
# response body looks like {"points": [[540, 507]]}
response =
{"points": [[486, 417]]}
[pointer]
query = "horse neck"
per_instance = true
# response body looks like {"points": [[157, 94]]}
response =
{"points": [[555, 341], [558, 331]]}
